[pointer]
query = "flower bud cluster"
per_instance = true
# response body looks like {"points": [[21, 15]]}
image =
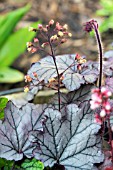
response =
{"points": [[89, 26], [30, 47], [100, 97], [29, 79], [80, 61], [53, 33]]}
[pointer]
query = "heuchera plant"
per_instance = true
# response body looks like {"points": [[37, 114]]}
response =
{"points": [[68, 132]]}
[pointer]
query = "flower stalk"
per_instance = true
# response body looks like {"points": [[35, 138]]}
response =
{"points": [[100, 96]]}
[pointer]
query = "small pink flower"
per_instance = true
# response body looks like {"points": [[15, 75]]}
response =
{"points": [[51, 22], [105, 92], [97, 119], [96, 97], [36, 40], [58, 26], [94, 104], [40, 26], [102, 113], [100, 99]]}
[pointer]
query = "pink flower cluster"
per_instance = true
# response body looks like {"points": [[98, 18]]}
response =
{"points": [[100, 99]]}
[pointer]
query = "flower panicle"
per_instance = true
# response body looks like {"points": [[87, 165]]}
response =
{"points": [[100, 98]]}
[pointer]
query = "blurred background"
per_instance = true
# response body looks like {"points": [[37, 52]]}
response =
{"points": [[17, 15]]}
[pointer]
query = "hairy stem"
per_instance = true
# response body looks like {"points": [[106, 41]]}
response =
{"points": [[100, 54], [58, 75]]}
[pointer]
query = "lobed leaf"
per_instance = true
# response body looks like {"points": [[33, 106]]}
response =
{"points": [[109, 84], [67, 67], [70, 140], [73, 81], [75, 97], [14, 130]]}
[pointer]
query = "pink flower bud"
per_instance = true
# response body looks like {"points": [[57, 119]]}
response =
{"points": [[79, 67], [63, 40], [97, 119], [107, 107], [103, 90], [44, 44], [96, 97], [58, 26], [78, 57], [36, 40], [40, 26], [95, 90], [102, 113], [47, 26], [94, 104], [28, 78], [51, 22], [33, 50], [35, 74], [109, 94]]}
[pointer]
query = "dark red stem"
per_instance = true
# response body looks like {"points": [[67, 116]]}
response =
{"points": [[58, 75], [100, 54]]}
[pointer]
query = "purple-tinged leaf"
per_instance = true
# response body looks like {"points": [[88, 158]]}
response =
{"points": [[111, 113], [108, 54], [108, 67], [109, 84], [75, 97], [46, 69], [90, 75], [107, 163], [14, 130], [67, 66], [73, 81], [70, 140]]}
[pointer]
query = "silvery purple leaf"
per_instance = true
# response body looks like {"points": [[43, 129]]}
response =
{"points": [[73, 81], [67, 66], [14, 130], [90, 75], [76, 97], [108, 54], [70, 140], [111, 113], [109, 84], [46, 69], [108, 67]]}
